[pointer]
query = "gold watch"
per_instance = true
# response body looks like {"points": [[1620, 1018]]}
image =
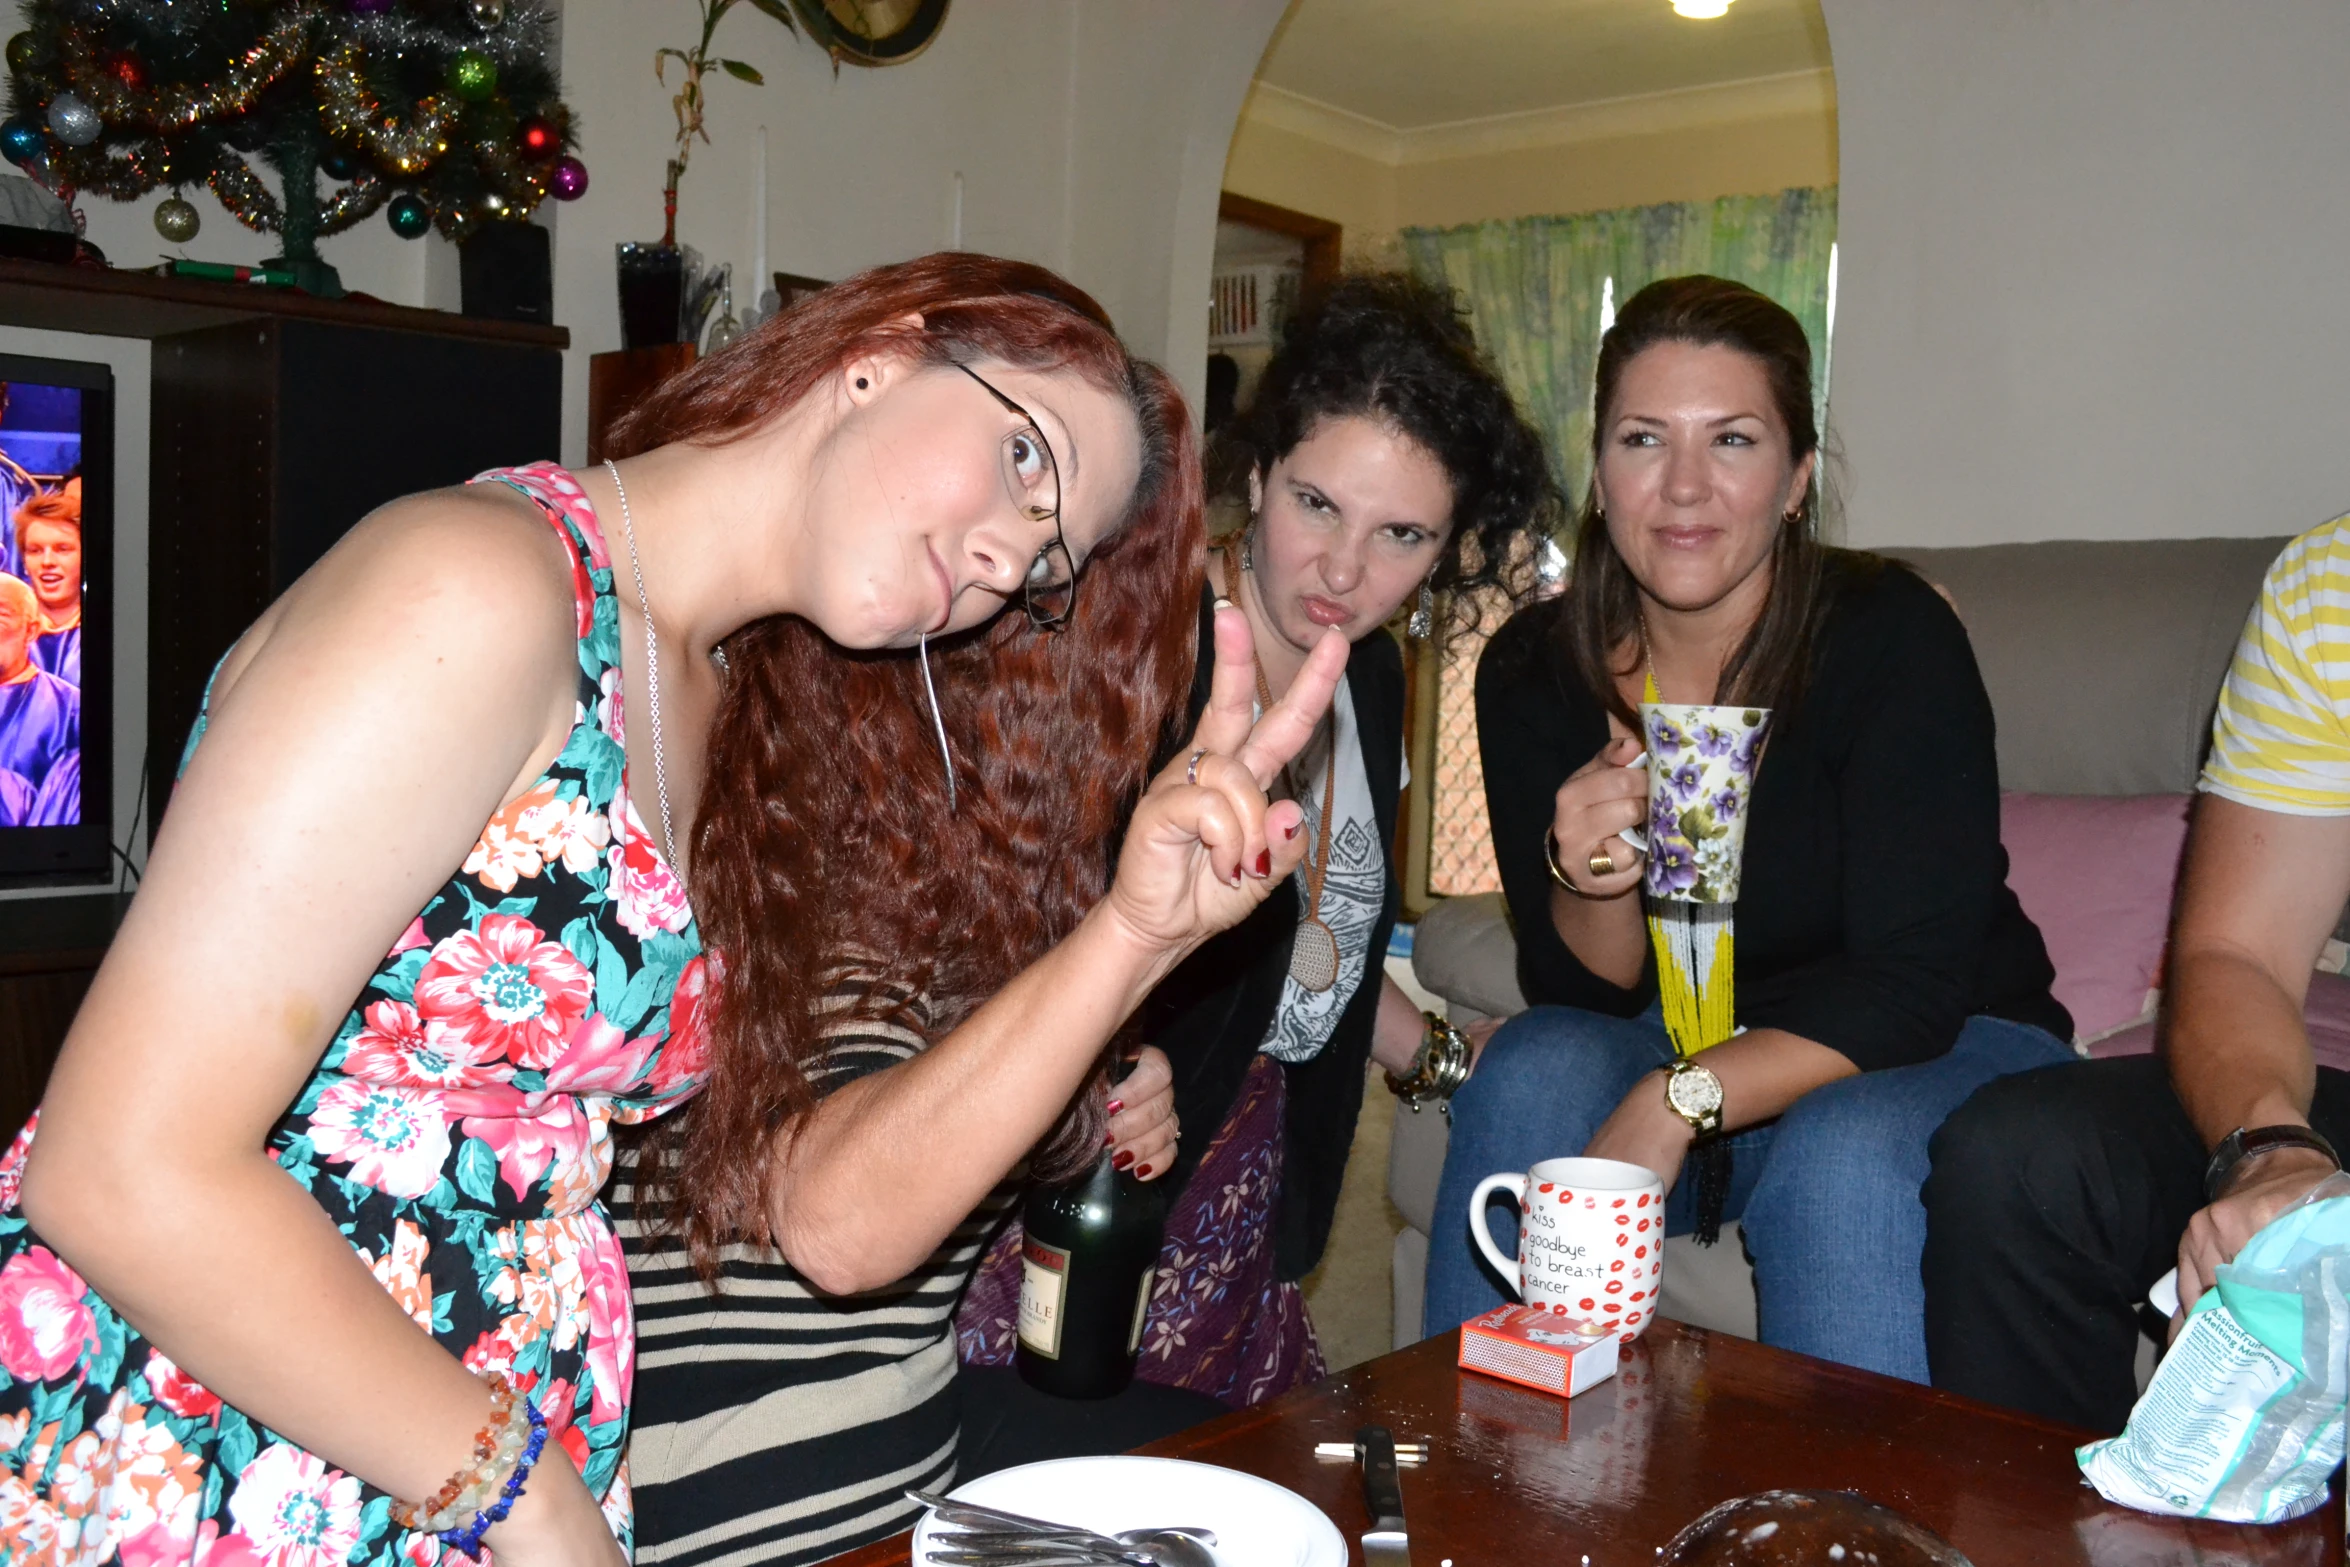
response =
{"points": [[1693, 1093]]}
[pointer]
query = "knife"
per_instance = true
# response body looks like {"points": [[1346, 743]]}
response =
{"points": [[1385, 1543]]}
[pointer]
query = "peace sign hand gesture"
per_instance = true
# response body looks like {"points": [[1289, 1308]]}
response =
{"points": [[1205, 846]]}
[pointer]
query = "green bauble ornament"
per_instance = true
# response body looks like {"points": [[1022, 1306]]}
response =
{"points": [[177, 220], [473, 75], [21, 50], [408, 216]]}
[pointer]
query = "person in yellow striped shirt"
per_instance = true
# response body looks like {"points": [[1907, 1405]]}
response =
{"points": [[2059, 1197]]}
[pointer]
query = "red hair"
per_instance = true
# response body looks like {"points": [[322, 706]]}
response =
{"points": [[60, 508], [823, 839]]}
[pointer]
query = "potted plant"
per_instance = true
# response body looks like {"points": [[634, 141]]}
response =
{"points": [[652, 277]]}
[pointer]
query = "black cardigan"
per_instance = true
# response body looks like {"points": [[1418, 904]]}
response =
{"points": [[1874, 916], [1210, 1015]]}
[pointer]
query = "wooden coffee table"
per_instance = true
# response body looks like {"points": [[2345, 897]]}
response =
{"points": [[1694, 1418]]}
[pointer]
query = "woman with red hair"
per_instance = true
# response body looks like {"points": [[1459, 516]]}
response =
{"points": [[308, 1237]]}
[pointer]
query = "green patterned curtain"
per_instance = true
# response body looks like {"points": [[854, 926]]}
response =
{"points": [[1533, 287]]}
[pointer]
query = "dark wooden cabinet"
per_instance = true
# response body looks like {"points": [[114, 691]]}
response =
{"points": [[278, 421], [272, 437]]}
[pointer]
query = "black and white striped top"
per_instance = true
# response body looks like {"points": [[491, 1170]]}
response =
{"points": [[776, 1425]]}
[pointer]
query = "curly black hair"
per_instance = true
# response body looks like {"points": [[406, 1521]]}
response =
{"points": [[1391, 347]]}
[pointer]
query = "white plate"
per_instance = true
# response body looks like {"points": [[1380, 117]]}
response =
{"points": [[1256, 1523]]}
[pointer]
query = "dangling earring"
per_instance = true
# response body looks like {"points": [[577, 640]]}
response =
{"points": [[1423, 618], [939, 723], [1248, 546]]}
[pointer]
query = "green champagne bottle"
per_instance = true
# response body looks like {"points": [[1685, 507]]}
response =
{"points": [[1086, 1268]]}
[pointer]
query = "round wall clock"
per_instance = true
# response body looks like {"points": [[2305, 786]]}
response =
{"points": [[874, 32]]}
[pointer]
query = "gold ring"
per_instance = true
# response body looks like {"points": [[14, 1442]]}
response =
{"points": [[1602, 863]]}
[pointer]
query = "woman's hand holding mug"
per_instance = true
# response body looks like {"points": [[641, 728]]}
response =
{"points": [[1206, 846], [1599, 810]]}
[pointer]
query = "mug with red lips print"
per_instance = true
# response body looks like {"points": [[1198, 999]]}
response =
{"points": [[1591, 1240]]}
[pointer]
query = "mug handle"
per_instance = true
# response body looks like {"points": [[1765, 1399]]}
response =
{"points": [[1506, 1267], [1633, 835]]}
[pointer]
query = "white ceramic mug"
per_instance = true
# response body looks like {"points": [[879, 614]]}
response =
{"points": [[1591, 1240]]}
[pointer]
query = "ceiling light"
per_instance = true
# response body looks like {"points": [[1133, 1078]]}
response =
{"points": [[1702, 10]]}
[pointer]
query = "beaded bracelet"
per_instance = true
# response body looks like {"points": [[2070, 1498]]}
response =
{"points": [[467, 1540], [496, 1449]]}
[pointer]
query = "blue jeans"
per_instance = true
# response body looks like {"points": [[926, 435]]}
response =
{"points": [[1827, 1194]]}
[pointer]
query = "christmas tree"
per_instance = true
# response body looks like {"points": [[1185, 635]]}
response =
{"points": [[442, 113]]}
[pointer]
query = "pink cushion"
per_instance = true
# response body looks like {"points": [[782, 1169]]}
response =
{"points": [[2095, 873], [2327, 1013]]}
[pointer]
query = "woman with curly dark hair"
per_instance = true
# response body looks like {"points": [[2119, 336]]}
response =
{"points": [[1387, 472]]}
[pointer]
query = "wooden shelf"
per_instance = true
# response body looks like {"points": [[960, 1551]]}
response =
{"points": [[112, 303]]}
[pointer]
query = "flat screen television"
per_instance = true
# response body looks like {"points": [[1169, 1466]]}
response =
{"points": [[56, 620]]}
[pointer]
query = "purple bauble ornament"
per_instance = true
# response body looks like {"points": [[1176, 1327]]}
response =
{"points": [[570, 179]]}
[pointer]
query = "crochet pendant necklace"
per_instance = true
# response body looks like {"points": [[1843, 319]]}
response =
{"points": [[1313, 955]]}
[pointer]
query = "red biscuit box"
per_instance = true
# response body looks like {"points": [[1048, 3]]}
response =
{"points": [[1540, 1347]]}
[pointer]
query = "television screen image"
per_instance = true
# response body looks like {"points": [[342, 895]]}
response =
{"points": [[55, 425], [41, 606]]}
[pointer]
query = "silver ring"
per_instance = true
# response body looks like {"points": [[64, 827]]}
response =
{"points": [[1191, 773]]}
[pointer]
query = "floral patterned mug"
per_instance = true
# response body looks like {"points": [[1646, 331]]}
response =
{"points": [[1701, 763]]}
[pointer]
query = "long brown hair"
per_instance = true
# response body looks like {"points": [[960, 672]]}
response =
{"points": [[823, 837], [1600, 611]]}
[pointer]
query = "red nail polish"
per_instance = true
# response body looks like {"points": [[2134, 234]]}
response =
{"points": [[1109, 1140], [1142, 1172], [1116, 1105], [1264, 862], [1293, 829], [1122, 1161]]}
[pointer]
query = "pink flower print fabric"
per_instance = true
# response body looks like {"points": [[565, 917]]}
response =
{"points": [[457, 1131]]}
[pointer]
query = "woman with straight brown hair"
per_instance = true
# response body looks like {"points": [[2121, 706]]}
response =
{"points": [[305, 1263], [1882, 968]]}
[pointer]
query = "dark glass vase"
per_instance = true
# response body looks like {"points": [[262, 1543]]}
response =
{"points": [[652, 295]]}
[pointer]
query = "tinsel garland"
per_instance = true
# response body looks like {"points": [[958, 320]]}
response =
{"points": [[527, 36], [351, 112], [178, 107], [251, 202]]}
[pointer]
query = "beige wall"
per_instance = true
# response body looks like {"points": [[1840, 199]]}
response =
{"points": [[2092, 268], [1746, 158], [1281, 166]]}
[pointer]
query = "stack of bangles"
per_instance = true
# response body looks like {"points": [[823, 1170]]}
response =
{"points": [[1439, 1066], [480, 1495]]}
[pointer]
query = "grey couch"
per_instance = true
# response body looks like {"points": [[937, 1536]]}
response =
{"points": [[2103, 661]]}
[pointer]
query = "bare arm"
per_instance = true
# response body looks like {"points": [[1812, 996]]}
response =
{"points": [[2259, 896], [312, 825], [847, 1210], [1395, 1035], [1763, 1072]]}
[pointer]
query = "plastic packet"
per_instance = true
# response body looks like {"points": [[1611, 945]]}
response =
{"points": [[2244, 1418]]}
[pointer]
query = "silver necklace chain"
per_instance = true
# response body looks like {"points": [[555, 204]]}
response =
{"points": [[652, 667]]}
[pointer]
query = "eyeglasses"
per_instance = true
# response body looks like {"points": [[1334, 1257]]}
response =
{"points": [[1033, 479]]}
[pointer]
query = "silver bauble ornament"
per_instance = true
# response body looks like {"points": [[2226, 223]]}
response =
{"points": [[72, 120], [177, 220], [489, 14]]}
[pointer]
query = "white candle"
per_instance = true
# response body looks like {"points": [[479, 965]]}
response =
{"points": [[761, 280]]}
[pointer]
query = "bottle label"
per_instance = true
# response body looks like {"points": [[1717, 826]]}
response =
{"points": [[1142, 1308], [1044, 1282]]}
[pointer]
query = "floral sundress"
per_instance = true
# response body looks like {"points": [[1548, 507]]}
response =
{"points": [[457, 1130]]}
